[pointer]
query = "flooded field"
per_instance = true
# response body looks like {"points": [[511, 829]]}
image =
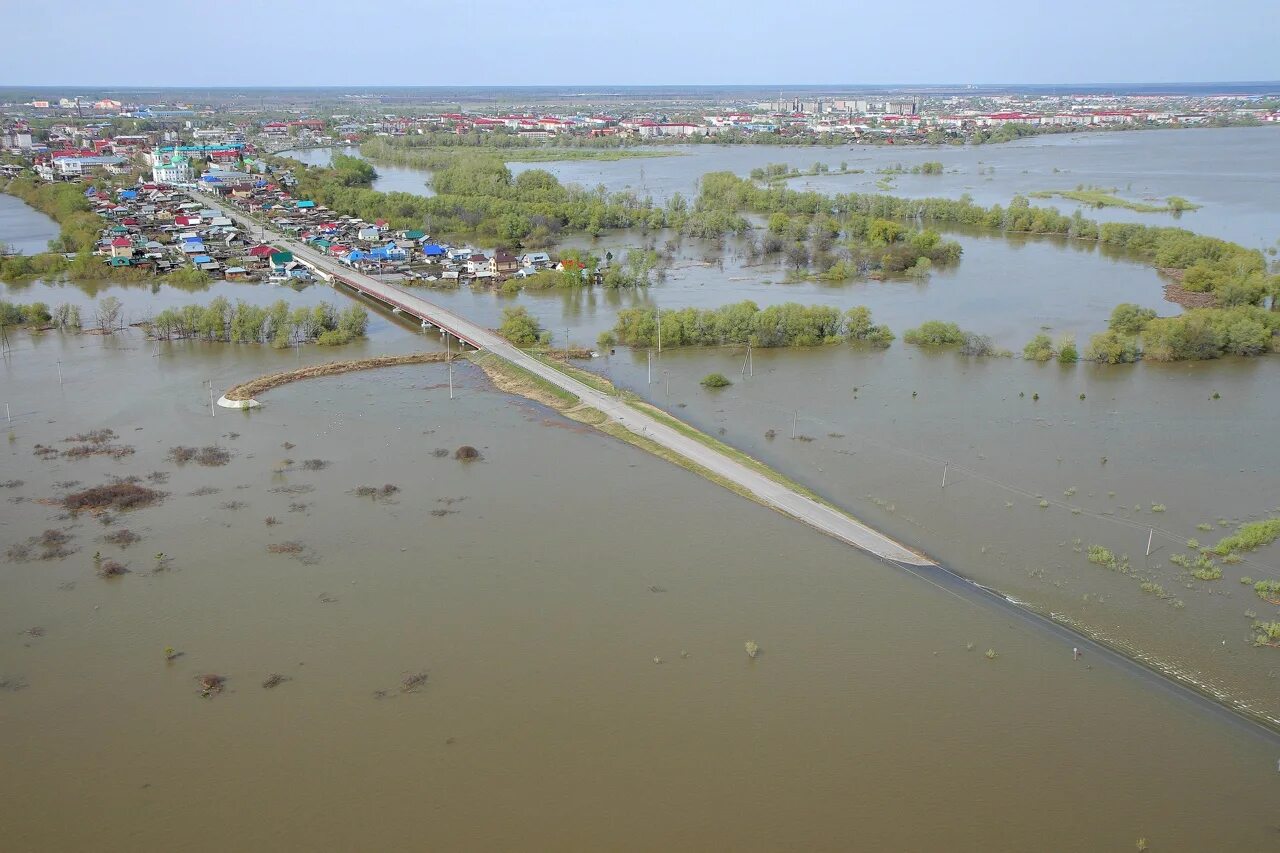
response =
{"points": [[546, 647], [580, 632]]}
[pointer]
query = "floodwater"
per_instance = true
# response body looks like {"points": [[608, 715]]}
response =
{"points": [[537, 590], [391, 179], [583, 630], [24, 229], [1230, 172]]}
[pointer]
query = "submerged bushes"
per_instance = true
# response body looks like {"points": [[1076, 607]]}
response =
{"points": [[275, 324], [935, 333], [788, 325], [1249, 537]]}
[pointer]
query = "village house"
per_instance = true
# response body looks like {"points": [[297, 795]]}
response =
{"points": [[503, 263]]}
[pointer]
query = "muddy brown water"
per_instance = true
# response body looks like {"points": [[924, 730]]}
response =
{"points": [[537, 608]]}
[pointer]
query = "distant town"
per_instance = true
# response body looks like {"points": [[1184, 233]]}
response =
{"points": [[139, 161]]}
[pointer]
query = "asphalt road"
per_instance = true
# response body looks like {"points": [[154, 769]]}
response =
{"points": [[767, 491]]}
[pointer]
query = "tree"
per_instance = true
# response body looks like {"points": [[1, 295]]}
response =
{"points": [[715, 380], [108, 314], [1130, 319], [520, 327]]}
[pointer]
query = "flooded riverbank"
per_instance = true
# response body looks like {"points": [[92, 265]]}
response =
{"points": [[391, 179], [23, 229], [536, 594]]}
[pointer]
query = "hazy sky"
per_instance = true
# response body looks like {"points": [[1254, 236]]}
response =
{"points": [[531, 42]]}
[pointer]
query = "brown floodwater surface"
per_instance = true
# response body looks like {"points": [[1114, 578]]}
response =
{"points": [[570, 563]]}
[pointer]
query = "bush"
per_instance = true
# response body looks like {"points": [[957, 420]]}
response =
{"points": [[1130, 319], [520, 327], [1111, 347], [935, 333], [1067, 353], [1249, 537], [1039, 348], [715, 380], [334, 338], [976, 345]]}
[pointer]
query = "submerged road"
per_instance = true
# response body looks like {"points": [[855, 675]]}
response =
{"points": [[776, 495]]}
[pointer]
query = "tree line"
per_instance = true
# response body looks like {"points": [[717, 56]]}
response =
{"points": [[787, 325], [275, 324]]}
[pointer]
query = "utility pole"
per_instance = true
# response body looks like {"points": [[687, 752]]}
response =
{"points": [[659, 331], [211, 411], [1151, 534], [650, 354], [666, 375], [794, 420], [59, 372], [944, 474], [449, 361]]}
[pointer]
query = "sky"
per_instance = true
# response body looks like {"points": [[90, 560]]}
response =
{"points": [[602, 42]]}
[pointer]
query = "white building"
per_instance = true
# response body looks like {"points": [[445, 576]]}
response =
{"points": [[74, 167], [171, 169]]}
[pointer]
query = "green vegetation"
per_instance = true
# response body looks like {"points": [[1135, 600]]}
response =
{"points": [[1204, 569], [935, 333], [1204, 333], [477, 198], [715, 380], [1100, 198], [35, 315], [1039, 348], [1267, 633], [932, 167], [1268, 590], [274, 324], [1111, 347], [782, 172], [1100, 556], [832, 249], [1130, 319], [1249, 537], [786, 325], [1235, 276], [522, 328], [433, 150]]}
